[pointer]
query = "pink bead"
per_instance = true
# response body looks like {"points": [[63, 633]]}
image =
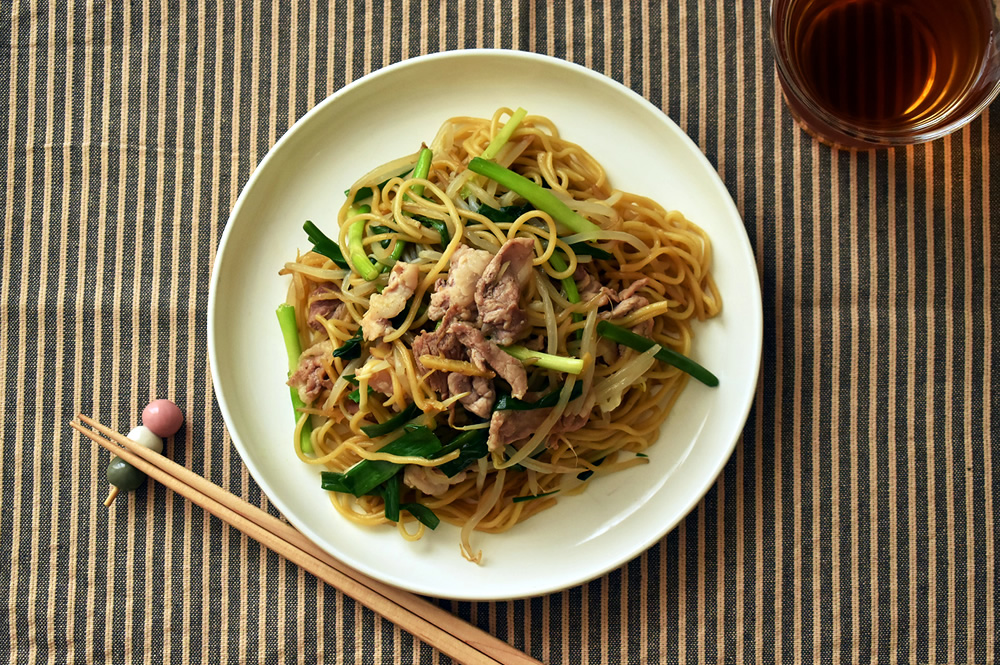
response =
{"points": [[162, 417]]}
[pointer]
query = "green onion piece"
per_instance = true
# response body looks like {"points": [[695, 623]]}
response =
{"points": [[559, 263], [379, 230], [290, 332], [355, 395], [423, 514], [397, 251], [422, 169], [438, 226], [471, 446], [366, 475], [546, 360], [583, 249], [505, 402], [355, 238], [569, 285], [539, 197], [641, 455], [350, 349], [324, 245], [362, 193], [669, 356], [504, 214], [394, 423], [504, 134], [332, 481], [532, 497], [391, 498]]}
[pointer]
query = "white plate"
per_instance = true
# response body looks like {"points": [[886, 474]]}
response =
{"points": [[383, 116]]}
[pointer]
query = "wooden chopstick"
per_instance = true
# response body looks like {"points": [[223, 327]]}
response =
{"points": [[426, 621]]}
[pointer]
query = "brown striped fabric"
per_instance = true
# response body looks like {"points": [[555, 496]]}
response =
{"points": [[855, 522]]}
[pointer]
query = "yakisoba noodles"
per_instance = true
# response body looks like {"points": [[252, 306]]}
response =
{"points": [[492, 327]]}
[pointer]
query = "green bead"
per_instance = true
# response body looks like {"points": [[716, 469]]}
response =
{"points": [[124, 476]]}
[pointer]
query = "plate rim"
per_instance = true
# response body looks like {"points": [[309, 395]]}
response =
{"points": [[721, 191]]}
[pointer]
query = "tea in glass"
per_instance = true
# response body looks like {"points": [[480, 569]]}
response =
{"points": [[864, 73]]}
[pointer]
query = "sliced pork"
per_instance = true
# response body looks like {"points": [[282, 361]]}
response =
{"points": [[629, 301], [324, 301], [457, 294], [484, 353], [481, 395], [463, 341], [310, 377], [508, 427], [590, 288], [498, 292], [437, 343], [377, 321]]}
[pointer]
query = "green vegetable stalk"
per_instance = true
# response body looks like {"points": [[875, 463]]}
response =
{"points": [[506, 402], [290, 332], [541, 198], [355, 238], [569, 284], [471, 445], [406, 415], [422, 169], [546, 360], [669, 356], [366, 475], [423, 514], [324, 245], [500, 140]]}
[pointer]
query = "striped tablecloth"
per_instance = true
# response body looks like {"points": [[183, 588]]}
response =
{"points": [[854, 523]]}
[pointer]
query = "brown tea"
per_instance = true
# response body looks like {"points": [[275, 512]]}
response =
{"points": [[885, 65]]}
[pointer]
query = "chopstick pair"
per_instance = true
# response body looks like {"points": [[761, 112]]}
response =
{"points": [[451, 635]]}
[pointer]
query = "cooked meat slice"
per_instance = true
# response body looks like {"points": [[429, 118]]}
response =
{"points": [[628, 306], [383, 306], [441, 343], [498, 293], [458, 292], [325, 301], [628, 300], [481, 395], [462, 341], [310, 377], [508, 427], [632, 289], [429, 480], [570, 423], [590, 288], [483, 352]]}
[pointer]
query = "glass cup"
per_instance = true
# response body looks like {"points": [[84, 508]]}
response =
{"points": [[862, 74]]}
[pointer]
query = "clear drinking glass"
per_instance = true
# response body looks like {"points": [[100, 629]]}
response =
{"points": [[870, 73]]}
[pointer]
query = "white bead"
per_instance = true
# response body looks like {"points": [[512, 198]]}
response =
{"points": [[145, 438]]}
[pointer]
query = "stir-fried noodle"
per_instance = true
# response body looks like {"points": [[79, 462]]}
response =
{"points": [[459, 273]]}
